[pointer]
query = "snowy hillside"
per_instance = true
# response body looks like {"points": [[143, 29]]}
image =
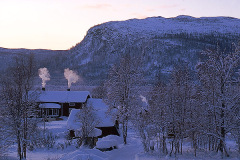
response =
{"points": [[52, 59], [41, 56], [161, 42], [158, 25]]}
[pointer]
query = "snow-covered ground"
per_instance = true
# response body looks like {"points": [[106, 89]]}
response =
{"points": [[126, 152], [132, 151]]}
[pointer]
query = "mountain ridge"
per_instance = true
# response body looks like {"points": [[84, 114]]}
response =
{"points": [[162, 42]]}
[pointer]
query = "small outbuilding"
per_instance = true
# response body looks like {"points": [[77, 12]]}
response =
{"points": [[107, 125]]}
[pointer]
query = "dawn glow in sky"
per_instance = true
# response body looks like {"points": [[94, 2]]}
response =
{"points": [[60, 24]]}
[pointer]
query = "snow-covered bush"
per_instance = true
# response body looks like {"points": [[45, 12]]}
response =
{"points": [[60, 146], [67, 143], [109, 142], [106, 144], [49, 140], [68, 135], [42, 139]]}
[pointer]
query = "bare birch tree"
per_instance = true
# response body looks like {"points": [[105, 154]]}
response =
{"points": [[178, 102], [17, 102], [88, 121], [216, 75], [158, 113], [123, 87]]}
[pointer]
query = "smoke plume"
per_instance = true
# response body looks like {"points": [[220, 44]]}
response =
{"points": [[44, 75], [71, 76], [144, 99]]}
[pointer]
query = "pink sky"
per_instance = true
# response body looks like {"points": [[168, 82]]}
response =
{"points": [[60, 24]]}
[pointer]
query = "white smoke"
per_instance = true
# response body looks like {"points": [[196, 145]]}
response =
{"points": [[71, 76], [144, 99], [44, 75]]}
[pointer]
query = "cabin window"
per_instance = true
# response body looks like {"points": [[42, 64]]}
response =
{"points": [[71, 104], [50, 111], [55, 111]]}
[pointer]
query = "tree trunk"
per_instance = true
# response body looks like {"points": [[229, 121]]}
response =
{"points": [[181, 145], [222, 129], [222, 132], [195, 145], [171, 149], [164, 145], [144, 139], [124, 129], [25, 138], [239, 142], [19, 145]]}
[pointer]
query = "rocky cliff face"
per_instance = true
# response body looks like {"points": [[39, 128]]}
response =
{"points": [[162, 42]]}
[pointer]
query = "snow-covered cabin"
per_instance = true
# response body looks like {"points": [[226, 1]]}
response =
{"points": [[107, 125], [60, 103]]}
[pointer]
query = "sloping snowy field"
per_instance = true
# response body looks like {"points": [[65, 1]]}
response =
{"points": [[132, 151]]}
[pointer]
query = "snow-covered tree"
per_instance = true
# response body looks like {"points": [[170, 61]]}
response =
{"points": [[122, 87], [144, 127], [17, 102], [179, 102], [216, 75], [88, 121], [5, 134], [157, 113]]}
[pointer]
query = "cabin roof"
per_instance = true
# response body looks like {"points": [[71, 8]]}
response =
{"points": [[63, 96], [101, 112], [49, 105]]}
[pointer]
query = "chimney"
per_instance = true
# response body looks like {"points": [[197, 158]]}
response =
{"points": [[68, 89], [43, 88]]}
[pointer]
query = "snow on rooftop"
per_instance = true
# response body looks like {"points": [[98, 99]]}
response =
{"points": [[49, 105], [63, 96], [72, 123], [101, 111], [94, 133]]}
